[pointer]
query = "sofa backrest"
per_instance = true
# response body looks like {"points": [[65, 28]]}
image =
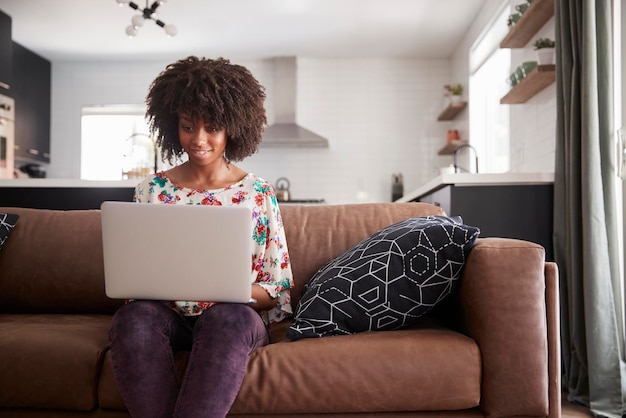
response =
{"points": [[317, 234], [52, 261]]}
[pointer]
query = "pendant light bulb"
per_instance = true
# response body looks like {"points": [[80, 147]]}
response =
{"points": [[170, 30], [131, 31], [137, 21], [123, 2]]}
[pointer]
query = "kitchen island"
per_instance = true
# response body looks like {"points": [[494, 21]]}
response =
{"points": [[64, 194], [511, 205]]}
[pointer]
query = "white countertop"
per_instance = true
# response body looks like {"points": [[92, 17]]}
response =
{"points": [[57, 183], [473, 179], [458, 179]]}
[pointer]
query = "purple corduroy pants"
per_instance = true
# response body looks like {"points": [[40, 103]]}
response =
{"points": [[143, 338]]}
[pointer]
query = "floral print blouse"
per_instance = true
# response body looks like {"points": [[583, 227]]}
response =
{"points": [[271, 268]]}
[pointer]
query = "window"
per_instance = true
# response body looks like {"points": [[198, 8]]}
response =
{"points": [[490, 67], [489, 120], [116, 145]]}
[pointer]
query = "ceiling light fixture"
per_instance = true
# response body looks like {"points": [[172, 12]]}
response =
{"points": [[146, 14]]}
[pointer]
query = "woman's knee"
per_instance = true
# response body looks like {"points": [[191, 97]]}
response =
{"points": [[131, 318], [231, 315], [232, 320]]}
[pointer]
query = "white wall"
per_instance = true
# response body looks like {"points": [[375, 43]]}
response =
{"points": [[378, 114], [459, 71], [78, 84], [532, 124]]}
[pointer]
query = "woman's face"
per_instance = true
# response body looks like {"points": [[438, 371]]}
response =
{"points": [[203, 143]]}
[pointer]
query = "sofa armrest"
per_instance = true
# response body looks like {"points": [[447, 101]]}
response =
{"points": [[503, 302], [554, 339]]}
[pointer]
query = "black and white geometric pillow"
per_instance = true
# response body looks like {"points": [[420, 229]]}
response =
{"points": [[386, 281], [7, 223]]}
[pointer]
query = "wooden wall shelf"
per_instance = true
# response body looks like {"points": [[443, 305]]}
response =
{"points": [[450, 147], [537, 14], [451, 111], [538, 79]]}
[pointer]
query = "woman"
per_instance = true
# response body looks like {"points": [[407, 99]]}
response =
{"points": [[212, 111]]}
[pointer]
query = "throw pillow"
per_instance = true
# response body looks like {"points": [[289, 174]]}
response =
{"points": [[386, 281], [7, 222]]}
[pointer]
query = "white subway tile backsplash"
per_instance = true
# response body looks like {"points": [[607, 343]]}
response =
{"points": [[533, 133]]}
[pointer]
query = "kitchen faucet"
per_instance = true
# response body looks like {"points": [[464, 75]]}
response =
{"points": [[457, 169]]}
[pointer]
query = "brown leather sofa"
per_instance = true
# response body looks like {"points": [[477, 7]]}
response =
{"points": [[491, 349]]}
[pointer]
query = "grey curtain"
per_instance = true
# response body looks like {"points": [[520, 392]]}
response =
{"points": [[585, 211]]}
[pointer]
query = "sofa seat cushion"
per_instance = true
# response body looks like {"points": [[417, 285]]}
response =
{"points": [[429, 369], [405, 370], [51, 361]]}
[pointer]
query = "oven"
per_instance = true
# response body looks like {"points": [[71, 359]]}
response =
{"points": [[7, 136]]}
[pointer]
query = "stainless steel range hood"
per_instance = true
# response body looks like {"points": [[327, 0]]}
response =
{"points": [[285, 132]]}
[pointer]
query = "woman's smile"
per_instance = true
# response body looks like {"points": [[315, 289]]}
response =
{"points": [[200, 152]]}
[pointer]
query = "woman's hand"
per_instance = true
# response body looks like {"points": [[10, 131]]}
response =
{"points": [[263, 300]]}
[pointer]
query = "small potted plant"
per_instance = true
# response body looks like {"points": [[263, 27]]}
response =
{"points": [[455, 91], [545, 51], [513, 19], [521, 8]]}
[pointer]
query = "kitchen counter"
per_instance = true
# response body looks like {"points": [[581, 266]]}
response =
{"points": [[511, 205], [55, 183], [476, 179], [64, 194]]}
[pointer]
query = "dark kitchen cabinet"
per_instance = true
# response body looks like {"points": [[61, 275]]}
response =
{"points": [[63, 198], [31, 90], [522, 211], [6, 53]]}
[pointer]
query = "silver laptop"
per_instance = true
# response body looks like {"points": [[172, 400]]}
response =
{"points": [[177, 252]]}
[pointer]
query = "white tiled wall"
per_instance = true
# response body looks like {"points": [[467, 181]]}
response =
{"points": [[533, 133], [379, 116], [533, 124]]}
